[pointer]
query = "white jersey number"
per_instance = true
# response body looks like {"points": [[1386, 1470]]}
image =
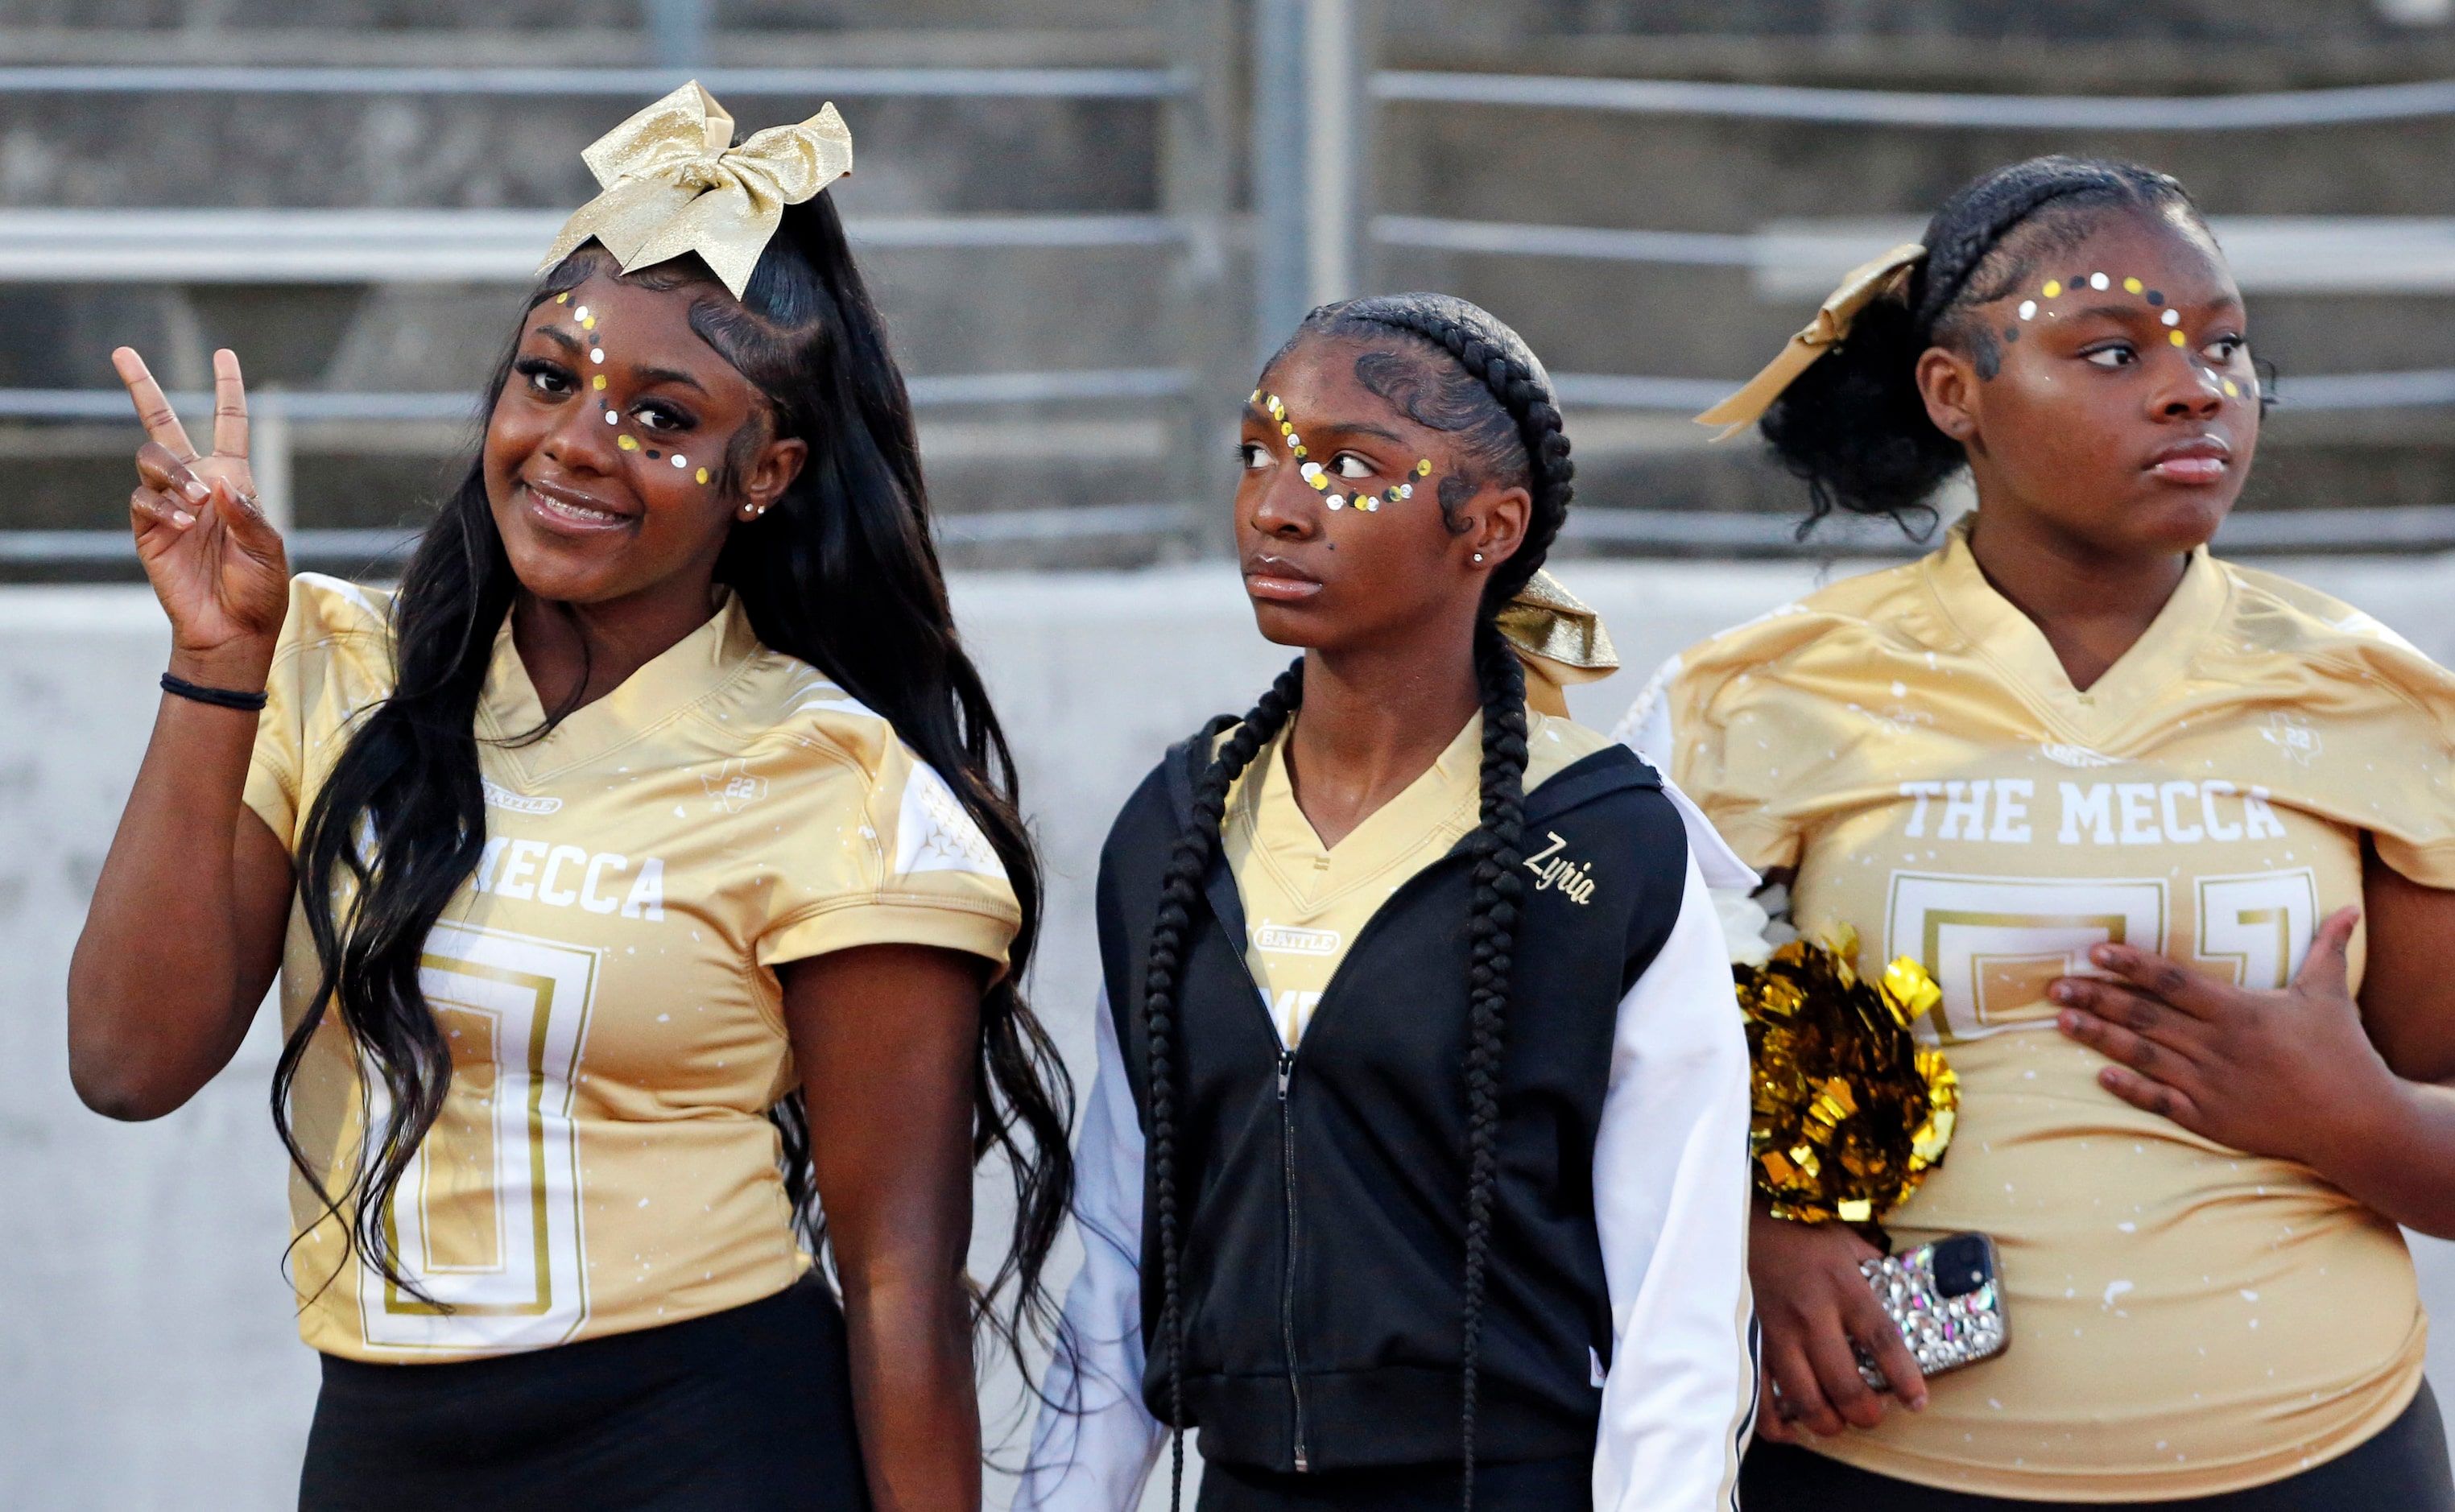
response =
{"points": [[2258, 927], [486, 1219], [1994, 943]]}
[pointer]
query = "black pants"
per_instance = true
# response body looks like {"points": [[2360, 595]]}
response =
{"points": [[2402, 1468], [1534, 1485], [748, 1410]]}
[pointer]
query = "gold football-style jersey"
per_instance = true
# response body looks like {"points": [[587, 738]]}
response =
{"points": [[607, 978], [2185, 1318], [1305, 901]]}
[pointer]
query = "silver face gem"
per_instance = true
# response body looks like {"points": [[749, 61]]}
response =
{"points": [[2028, 310], [2172, 318], [2099, 281]]}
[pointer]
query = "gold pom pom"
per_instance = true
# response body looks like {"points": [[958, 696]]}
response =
{"points": [[1850, 1111]]}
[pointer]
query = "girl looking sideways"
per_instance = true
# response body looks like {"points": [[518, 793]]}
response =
{"points": [[2174, 836], [644, 878], [1417, 1154]]}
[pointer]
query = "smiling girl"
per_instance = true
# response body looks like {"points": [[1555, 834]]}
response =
{"points": [[644, 880], [2097, 782], [1417, 1149]]}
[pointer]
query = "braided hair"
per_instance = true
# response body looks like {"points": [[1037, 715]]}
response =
{"points": [[1855, 425], [1452, 367]]}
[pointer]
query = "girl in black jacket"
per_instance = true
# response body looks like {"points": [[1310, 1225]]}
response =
{"points": [[1420, 1148]]}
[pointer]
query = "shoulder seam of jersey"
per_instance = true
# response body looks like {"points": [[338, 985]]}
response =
{"points": [[949, 903]]}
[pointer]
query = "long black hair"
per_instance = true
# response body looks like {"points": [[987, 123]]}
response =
{"points": [[1854, 426], [839, 573], [1454, 367]]}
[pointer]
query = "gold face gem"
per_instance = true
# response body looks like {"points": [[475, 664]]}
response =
{"points": [[626, 443], [700, 475]]}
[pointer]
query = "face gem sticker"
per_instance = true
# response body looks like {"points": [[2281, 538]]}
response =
{"points": [[2099, 281], [627, 443], [597, 354], [2133, 286], [679, 461], [700, 475], [2172, 318], [2053, 290], [2028, 310], [611, 418]]}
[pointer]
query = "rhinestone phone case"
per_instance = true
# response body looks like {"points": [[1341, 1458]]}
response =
{"points": [[1947, 1301]]}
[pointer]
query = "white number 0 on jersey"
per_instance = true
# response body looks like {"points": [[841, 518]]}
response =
{"points": [[1994, 943], [508, 1268]]}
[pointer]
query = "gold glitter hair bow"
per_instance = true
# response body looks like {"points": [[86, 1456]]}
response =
{"points": [[1862, 287], [1560, 640], [674, 183]]}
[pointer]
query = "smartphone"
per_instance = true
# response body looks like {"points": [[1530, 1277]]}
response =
{"points": [[1946, 1298]]}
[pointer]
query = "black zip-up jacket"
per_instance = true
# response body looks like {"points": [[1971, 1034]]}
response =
{"points": [[1321, 1192]]}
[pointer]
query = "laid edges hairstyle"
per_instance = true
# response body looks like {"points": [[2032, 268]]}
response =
{"points": [[839, 573], [1456, 368]]}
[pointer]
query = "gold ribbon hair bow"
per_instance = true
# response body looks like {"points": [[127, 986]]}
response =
{"points": [[1862, 287], [674, 183], [1560, 640]]}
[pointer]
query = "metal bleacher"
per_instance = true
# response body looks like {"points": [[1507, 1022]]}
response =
{"points": [[1299, 253]]}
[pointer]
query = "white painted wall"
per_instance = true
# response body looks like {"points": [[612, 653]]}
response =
{"points": [[147, 1353]]}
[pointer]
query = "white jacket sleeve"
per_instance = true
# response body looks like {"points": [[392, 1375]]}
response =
{"points": [[1671, 1206], [1095, 1442]]}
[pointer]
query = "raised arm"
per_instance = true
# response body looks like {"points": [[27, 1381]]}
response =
{"points": [[887, 1037], [185, 931]]}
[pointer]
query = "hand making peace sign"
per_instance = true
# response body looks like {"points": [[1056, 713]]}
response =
{"points": [[215, 562]]}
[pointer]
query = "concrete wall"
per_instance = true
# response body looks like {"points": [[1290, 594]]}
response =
{"points": [[147, 1352]]}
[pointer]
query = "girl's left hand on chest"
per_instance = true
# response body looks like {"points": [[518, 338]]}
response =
{"points": [[2288, 1073]]}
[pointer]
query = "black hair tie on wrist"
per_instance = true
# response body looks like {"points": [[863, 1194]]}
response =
{"points": [[218, 698]]}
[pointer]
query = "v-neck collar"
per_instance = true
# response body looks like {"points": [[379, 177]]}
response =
{"points": [[692, 669], [2000, 633], [1446, 795]]}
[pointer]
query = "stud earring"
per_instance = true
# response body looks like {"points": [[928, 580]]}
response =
{"points": [[1478, 556]]}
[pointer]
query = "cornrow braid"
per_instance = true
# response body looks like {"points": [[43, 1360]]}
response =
{"points": [[1180, 892], [1493, 388], [1854, 427], [1492, 929]]}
